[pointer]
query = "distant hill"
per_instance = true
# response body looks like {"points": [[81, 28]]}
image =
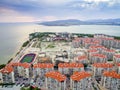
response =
{"points": [[70, 22]]}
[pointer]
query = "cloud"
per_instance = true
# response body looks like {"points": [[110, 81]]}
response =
{"points": [[95, 4], [8, 15], [52, 2], [47, 10], [97, 0]]}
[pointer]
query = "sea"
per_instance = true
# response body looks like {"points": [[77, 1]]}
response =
{"points": [[13, 35]]}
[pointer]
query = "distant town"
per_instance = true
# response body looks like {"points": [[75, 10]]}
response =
{"points": [[64, 61]]}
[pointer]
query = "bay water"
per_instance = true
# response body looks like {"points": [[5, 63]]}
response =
{"points": [[13, 35]]}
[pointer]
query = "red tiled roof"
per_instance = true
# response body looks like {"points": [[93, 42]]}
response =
{"points": [[82, 57], [43, 65], [103, 65], [112, 74], [56, 75], [117, 56], [118, 64], [77, 76], [25, 64], [7, 69], [99, 55], [95, 47], [109, 50], [70, 65], [92, 50]]}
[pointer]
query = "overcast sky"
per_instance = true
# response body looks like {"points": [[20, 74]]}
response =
{"points": [[47, 10]]}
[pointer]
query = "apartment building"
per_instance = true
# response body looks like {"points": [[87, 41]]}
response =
{"points": [[80, 81], [98, 58], [99, 68], [7, 74], [55, 81], [40, 69], [111, 80], [69, 68], [116, 58]]}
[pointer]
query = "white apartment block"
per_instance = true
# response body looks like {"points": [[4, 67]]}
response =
{"points": [[111, 80], [99, 68], [69, 68], [80, 81], [7, 75], [55, 81], [98, 58], [42, 68]]}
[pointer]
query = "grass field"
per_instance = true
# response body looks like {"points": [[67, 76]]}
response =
{"points": [[28, 58]]}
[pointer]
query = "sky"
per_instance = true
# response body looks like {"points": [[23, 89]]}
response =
{"points": [[49, 10]]}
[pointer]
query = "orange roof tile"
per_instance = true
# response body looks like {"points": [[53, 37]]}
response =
{"points": [[43, 65], [109, 50], [16, 64], [96, 47], [26, 65], [117, 56], [77, 76], [103, 65], [56, 75], [112, 74], [6, 69], [70, 65], [99, 55], [92, 50], [118, 64], [82, 57]]}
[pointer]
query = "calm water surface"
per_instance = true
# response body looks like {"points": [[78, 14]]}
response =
{"points": [[12, 36]]}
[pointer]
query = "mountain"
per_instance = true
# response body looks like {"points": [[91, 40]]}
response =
{"points": [[70, 22]]}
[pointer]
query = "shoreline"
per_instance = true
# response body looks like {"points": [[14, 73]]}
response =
{"points": [[20, 48]]}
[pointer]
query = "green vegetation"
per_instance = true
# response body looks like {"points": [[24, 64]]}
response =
{"points": [[110, 60], [2, 66], [34, 44], [27, 59], [25, 44], [85, 65], [40, 35], [10, 60], [116, 37], [6, 84], [83, 35], [50, 46], [30, 88]]}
